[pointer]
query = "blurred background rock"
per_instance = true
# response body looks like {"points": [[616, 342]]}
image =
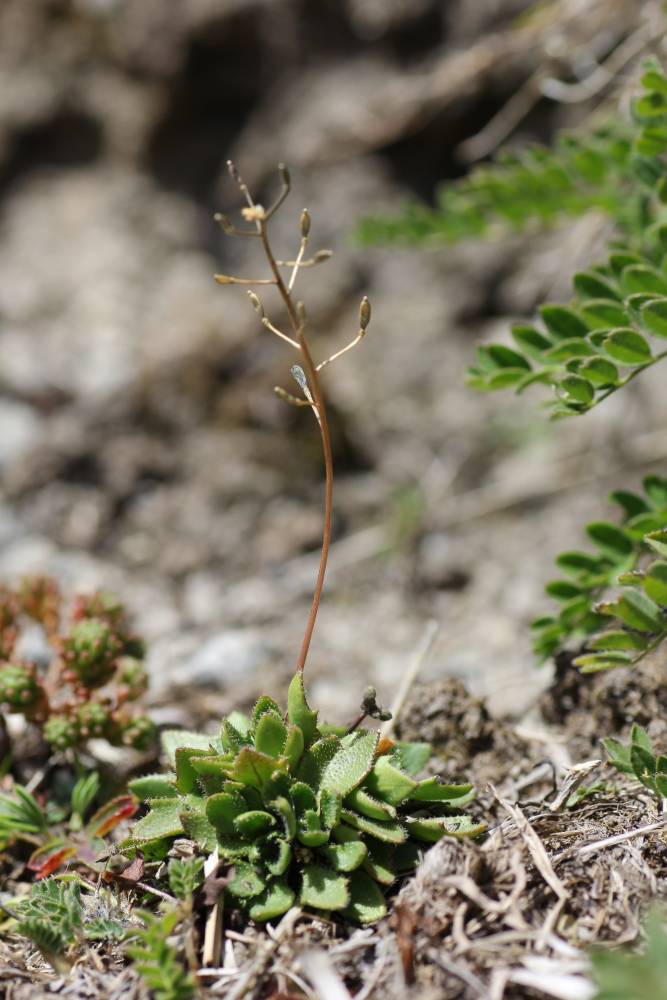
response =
{"points": [[141, 447]]}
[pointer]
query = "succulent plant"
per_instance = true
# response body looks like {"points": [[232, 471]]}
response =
{"points": [[131, 677], [90, 651], [19, 687], [39, 598], [62, 732], [106, 607], [91, 647], [94, 719], [8, 622], [138, 732], [302, 812]]}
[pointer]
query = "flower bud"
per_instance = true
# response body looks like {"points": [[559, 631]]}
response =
{"points": [[364, 313]]}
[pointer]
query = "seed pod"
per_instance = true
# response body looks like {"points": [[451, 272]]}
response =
{"points": [[364, 313], [304, 223], [256, 304]]}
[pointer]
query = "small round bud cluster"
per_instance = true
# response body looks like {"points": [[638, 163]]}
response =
{"points": [[107, 608], [39, 598], [94, 648], [62, 732], [139, 732], [101, 604], [90, 651], [131, 676], [94, 719], [19, 688]]}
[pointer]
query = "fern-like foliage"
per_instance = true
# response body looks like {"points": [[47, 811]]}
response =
{"points": [[538, 186], [156, 960], [611, 329], [625, 975], [609, 169], [301, 812], [613, 599], [608, 334], [54, 918], [618, 585], [52, 915]]}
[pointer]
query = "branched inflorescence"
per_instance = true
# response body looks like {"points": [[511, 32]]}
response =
{"points": [[305, 374], [95, 666]]}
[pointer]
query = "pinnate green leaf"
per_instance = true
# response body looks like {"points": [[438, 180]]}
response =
{"points": [[562, 323], [577, 389], [628, 347], [611, 540], [655, 582]]}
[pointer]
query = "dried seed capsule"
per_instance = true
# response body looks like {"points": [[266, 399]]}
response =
{"points": [[364, 313]]}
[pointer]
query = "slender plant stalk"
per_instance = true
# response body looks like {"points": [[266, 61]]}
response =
{"points": [[308, 378], [321, 413]]}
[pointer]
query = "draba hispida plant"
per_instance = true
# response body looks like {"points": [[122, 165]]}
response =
{"points": [[86, 674], [296, 811], [326, 817]]}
